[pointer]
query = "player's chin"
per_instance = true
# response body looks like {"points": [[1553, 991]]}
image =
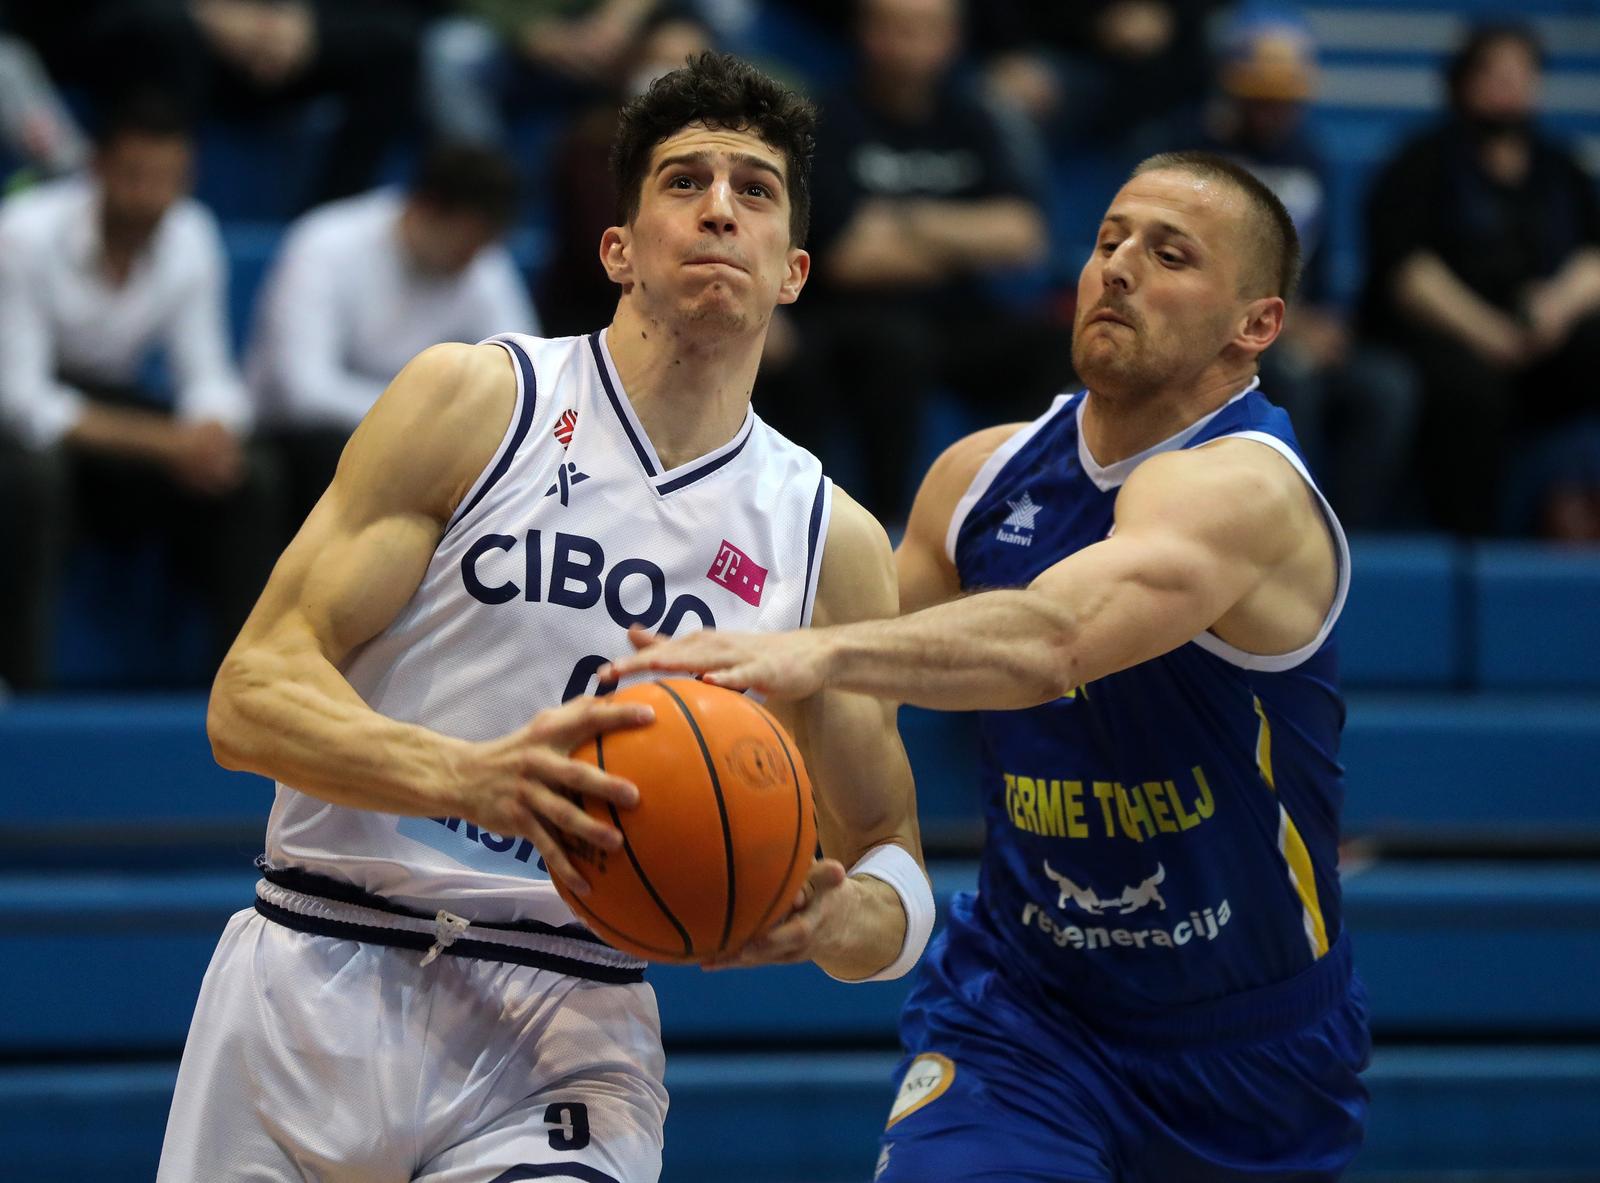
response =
{"points": [[1099, 359], [719, 310]]}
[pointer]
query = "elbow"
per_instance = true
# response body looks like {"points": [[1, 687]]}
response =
{"points": [[1054, 666], [1061, 670], [226, 722]]}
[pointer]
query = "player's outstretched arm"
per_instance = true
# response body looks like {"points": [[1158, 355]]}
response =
{"points": [[280, 705], [855, 926], [1225, 537]]}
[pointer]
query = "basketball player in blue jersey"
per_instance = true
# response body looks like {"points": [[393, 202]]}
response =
{"points": [[1138, 592], [409, 998]]}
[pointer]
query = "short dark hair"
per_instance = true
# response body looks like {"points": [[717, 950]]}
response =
{"points": [[152, 113], [464, 178], [1480, 39], [1274, 242], [720, 91]]}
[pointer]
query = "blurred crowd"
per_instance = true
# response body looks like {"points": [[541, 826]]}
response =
{"points": [[1451, 389]]}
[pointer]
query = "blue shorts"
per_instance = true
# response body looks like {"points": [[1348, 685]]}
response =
{"points": [[999, 1088]]}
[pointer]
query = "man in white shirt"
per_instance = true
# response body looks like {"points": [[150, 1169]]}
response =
{"points": [[100, 275], [363, 285]]}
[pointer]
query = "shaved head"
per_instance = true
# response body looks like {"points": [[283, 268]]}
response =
{"points": [[1270, 265]]}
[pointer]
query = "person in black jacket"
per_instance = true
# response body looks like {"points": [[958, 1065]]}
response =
{"points": [[921, 199], [1483, 236]]}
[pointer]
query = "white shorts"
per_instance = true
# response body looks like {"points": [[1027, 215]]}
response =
{"points": [[321, 1058]]}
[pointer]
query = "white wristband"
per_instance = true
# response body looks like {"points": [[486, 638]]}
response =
{"points": [[894, 865]]}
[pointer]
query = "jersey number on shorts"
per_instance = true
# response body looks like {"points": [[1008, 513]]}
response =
{"points": [[571, 1119]]}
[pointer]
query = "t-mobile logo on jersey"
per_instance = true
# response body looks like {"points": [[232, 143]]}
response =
{"points": [[739, 573]]}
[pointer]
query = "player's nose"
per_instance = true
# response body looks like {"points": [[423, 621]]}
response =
{"points": [[717, 209], [1117, 270]]}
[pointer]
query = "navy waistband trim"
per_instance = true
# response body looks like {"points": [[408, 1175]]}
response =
{"points": [[421, 942], [310, 883]]}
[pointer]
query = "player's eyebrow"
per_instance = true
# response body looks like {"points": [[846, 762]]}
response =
{"points": [[748, 159]]}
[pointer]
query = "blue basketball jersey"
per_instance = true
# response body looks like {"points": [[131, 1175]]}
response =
{"points": [[1165, 836]]}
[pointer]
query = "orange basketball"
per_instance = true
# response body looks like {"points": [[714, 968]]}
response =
{"points": [[723, 835]]}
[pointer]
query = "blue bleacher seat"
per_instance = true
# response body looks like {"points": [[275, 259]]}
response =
{"points": [[1403, 624], [1439, 1115], [1536, 618], [1498, 766]]}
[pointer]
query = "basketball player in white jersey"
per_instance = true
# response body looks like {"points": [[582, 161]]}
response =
{"points": [[409, 998]]}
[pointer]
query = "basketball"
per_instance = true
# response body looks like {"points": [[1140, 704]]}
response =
{"points": [[723, 834]]}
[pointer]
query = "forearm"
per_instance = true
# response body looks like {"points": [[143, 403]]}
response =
{"points": [[120, 431], [999, 650], [1001, 232], [1579, 283], [1429, 291], [882, 261], [874, 935], [291, 716]]}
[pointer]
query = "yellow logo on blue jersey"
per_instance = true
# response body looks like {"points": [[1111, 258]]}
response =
{"points": [[1054, 808]]}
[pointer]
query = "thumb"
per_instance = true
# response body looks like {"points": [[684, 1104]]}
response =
{"points": [[643, 638]]}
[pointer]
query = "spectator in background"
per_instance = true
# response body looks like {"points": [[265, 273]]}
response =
{"points": [[575, 292], [248, 58], [1484, 240], [363, 285], [494, 51], [1354, 403], [97, 274], [1096, 71], [36, 129], [917, 202]]}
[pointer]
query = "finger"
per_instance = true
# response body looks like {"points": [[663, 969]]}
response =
{"points": [[641, 639], [584, 778], [824, 875], [828, 873], [555, 858], [575, 820], [737, 677], [582, 719], [789, 941], [702, 651]]}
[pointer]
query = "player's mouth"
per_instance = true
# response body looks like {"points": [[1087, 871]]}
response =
{"points": [[1109, 317], [712, 262]]}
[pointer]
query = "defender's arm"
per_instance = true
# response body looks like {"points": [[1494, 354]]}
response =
{"points": [[1225, 537]]}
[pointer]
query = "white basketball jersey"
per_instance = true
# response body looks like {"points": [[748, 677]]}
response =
{"points": [[574, 531]]}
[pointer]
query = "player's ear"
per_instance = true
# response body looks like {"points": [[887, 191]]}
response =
{"points": [[795, 277], [616, 246], [1261, 324]]}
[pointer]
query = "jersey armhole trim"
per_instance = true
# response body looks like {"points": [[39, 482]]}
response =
{"points": [[816, 539], [521, 421], [986, 475], [1274, 663]]}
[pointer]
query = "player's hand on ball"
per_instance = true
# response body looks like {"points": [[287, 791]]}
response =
{"points": [[529, 780], [778, 665], [823, 908]]}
